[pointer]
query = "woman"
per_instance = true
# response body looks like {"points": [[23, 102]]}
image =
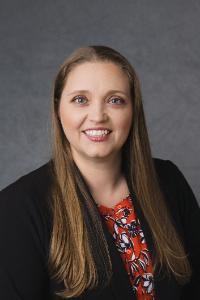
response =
{"points": [[102, 219]]}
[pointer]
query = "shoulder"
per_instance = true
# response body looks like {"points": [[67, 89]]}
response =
{"points": [[185, 212], [34, 184], [25, 201], [170, 176], [166, 168], [25, 235], [172, 179], [34, 181], [178, 193]]}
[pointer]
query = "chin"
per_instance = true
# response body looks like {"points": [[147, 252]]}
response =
{"points": [[99, 154]]}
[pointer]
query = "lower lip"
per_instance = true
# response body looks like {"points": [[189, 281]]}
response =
{"points": [[97, 138]]}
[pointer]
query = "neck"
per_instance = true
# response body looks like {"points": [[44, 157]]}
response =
{"points": [[101, 175]]}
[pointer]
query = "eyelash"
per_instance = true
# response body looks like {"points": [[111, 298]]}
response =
{"points": [[78, 97]]}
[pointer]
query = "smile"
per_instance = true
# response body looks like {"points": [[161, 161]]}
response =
{"points": [[97, 133]]}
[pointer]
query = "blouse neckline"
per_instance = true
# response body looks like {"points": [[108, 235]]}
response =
{"points": [[116, 206]]}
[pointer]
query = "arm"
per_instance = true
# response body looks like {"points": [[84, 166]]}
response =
{"points": [[190, 221], [22, 268]]}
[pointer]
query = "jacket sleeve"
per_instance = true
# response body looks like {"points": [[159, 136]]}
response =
{"points": [[22, 268], [190, 220]]}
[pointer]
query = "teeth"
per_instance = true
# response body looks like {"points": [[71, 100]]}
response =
{"points": [[97, 132]]}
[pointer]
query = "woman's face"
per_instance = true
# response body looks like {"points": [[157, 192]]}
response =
{"points": [[96, 95]]}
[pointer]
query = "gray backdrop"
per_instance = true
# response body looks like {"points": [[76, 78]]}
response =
{"points": [[160, 38]]}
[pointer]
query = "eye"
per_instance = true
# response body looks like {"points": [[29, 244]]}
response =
{"points": [[119, 100], [78, 99]]}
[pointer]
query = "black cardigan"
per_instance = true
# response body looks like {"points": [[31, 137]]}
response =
{"points": [[25, 227]]}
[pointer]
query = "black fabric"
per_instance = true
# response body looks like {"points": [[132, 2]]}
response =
{"points": [[25, 226]]}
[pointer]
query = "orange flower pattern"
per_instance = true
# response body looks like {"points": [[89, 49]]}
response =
{"points": [[125, 228]]}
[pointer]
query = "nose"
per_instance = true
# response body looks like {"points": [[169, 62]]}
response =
{"points": [[97, 113]]}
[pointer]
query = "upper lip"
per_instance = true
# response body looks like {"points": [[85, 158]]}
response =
{"points": [[98, 128]]}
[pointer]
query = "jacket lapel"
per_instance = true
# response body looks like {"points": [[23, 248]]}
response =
{"points": [[165, 288], [120, 283], [144, 225]]}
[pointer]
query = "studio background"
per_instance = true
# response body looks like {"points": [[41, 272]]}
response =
{"points": [[160, 38]]}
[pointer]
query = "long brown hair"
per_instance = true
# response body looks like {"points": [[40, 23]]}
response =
{"points": [[77, 230]]}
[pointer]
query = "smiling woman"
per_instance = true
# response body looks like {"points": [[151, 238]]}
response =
{"points": [[102, 219], [81, 120]]}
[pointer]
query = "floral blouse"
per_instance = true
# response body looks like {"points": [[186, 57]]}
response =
{"points": [[125, 228]]}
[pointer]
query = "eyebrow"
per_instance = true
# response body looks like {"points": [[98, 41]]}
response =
{"points": [[88, 92]]}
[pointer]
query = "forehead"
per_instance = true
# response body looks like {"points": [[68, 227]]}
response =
{"points": [[97, 74]]}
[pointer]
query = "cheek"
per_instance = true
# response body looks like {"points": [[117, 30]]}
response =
{"points": [[125, 122], [70, 124], [69, 120]]}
